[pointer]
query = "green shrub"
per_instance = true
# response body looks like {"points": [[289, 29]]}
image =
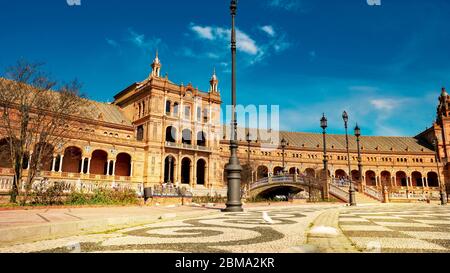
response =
{"points": [[46, 195], [217, 198], [103, 197]]}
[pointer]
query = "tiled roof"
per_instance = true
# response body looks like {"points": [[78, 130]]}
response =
{"points": [[373, 143], [337, 142], [106, 112], [98, 111]]}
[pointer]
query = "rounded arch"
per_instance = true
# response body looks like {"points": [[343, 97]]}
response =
{"points": [[5, 154], [433, 180], [45, 150], [416, 179], [371, 178], [201, 139], [340, 174], [201, 172], [169, 169], [72, 160], [278, 170], [99, 162], [123, 164], [168, 107], [310, 172], [401, 179], [386, 178], [186, 170], [293, 170], [262, 172], [186, 136], [355, 176], [171, 134], [175, 108]]}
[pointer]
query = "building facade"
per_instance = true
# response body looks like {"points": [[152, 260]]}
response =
{"points": [[157, 131]]}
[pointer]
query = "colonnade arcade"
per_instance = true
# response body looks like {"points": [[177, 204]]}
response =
{"points": [[73, 160], [425, 179], [393, 179], [187, 137], [186, 170]]}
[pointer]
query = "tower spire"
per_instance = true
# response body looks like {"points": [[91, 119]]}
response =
{"points": [[214, 82], [156, 66]]}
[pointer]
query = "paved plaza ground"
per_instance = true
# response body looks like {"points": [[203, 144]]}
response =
{"points": [[295, 229]]}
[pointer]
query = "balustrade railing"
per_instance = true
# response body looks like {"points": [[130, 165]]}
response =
{"points": [[339, 192], [187, 146], [6, 184], [373, 193]]}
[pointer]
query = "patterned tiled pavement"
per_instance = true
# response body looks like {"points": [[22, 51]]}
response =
{"points": [[373, 228], [398, 228], [224, 233]]}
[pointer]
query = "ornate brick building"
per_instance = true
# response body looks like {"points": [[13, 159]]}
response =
{"points": [[157, 131]]}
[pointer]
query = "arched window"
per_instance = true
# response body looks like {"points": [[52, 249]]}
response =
{"points": [[187, 112], [205, 115], [140, 133], [171, 134], [201, 139], [168, 105], [175, 109], [187, 136], [199, 114]]}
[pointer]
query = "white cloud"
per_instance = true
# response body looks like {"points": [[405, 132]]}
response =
{"points": [[244, 42], [142, 42], [112, 43], [285, 4], [216, 44], [269, 30], [384, 104], [203, 32], [364, 88]]}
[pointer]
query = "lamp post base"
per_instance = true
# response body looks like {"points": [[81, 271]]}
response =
{"points": [[352, 199], [234, 198], [443, 198], [233, 208]]}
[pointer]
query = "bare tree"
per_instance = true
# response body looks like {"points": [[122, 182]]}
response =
{"points": [[37, 116]]}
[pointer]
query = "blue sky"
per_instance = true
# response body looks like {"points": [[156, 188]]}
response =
{"points": [[384, 64]]}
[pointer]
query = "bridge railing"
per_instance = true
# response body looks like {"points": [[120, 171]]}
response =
{"points": [[275, 179]]}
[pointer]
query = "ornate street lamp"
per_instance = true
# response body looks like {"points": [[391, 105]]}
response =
{"points": [[358, 135], [233, 168], [249, 142], [284, 143], [351, 190], [441, 186], [324, 125]]}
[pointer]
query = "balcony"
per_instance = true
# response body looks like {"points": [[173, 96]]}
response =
{"points": [[188, 147]]}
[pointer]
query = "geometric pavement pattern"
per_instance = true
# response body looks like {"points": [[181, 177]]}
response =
{"points": [[398, 229], [218, 233]]}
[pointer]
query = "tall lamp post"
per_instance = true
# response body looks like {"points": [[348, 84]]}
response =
{"points": [[441, 186], [358, 135], [351, 190], [324, 125], [233, 168], [249, 142], [283, 147]]}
